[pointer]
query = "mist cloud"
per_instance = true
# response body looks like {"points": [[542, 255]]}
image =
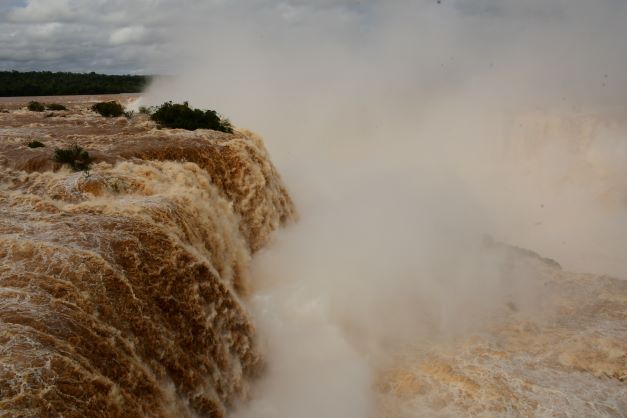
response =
{"points": [[407, 131]]}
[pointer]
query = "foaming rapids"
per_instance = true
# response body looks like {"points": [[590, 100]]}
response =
{"points": [[121, 289]]}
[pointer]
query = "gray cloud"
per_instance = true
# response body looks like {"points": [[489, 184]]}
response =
{"points": [[84, 35], [111, 36], [144, 35]]}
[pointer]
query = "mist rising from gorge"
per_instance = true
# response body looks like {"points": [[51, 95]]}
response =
{"points": [[406, 133]]}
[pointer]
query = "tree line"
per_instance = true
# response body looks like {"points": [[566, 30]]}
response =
{"points": [[46, 83]]}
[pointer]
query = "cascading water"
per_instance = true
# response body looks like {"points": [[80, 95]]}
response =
{"points": [[121, 288]]}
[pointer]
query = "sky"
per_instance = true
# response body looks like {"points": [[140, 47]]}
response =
{"points": [[111, 36], [144, 36], [108, 36]]}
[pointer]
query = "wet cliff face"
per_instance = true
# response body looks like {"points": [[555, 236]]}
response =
{"points": [[120, 288]]}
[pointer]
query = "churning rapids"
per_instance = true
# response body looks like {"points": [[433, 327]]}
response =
{"points": [[124, 292], [120, 290]]}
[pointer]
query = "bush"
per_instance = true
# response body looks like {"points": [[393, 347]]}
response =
{"points": [[146, 110], [108, 109], [35, 144], [76, 157], [174, 115], [36, 107], [55, 106]]}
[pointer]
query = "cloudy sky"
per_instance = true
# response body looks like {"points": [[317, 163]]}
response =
{"points": [[145, 36], [112, 36]]}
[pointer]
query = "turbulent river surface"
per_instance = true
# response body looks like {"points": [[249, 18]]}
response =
{"points": [[567, 359], [120, 288], [123, 290]]}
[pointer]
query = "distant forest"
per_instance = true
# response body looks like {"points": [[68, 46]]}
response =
{"points": [[46, 83]]}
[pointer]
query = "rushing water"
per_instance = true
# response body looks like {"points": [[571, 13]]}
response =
{"points": [[121, 288], [151, 286]]}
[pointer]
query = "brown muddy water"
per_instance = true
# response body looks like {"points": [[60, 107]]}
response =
{"points": [[125, 291]]}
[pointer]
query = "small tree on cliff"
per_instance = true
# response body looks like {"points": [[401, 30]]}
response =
{"points": [[175, 115]]}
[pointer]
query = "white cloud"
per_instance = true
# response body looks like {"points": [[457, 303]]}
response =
{"points": [[44, 31], [112, 36], [133, 34], [41, 11]]}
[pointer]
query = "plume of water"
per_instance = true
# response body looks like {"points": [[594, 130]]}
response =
{"points": [[407, 132]]}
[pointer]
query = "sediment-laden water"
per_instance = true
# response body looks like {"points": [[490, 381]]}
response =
{"points": [[127, 290], [120, 288]]}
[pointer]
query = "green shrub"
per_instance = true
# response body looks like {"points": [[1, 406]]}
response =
{"points": [[36, 107], [35, 144], [55, 106], [175, 115], [129, 114], [76, 157], [108, 109], [147, 110]]}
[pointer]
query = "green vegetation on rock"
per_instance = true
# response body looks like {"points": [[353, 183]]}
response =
{"points": [[36, 107], [55, 106], [111, 109], [76, 157], [182, 116], [35, 144]]}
